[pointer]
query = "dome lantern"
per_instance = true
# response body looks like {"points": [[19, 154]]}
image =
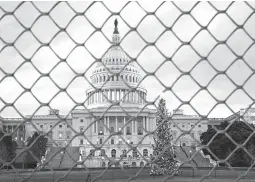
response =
{"points": [[116, 36]]}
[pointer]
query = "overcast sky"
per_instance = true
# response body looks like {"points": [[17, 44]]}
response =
{"points": [[201, 64]]}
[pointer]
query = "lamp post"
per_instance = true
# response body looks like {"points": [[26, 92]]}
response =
{"points": [[190, 151], [102, 160]]}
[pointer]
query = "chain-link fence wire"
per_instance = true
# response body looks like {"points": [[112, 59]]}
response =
{"points": [[183, 12]]}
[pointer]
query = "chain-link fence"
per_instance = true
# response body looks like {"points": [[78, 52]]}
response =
{"points": [[101, 67]]}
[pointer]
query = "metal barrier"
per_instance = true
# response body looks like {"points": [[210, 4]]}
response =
{"points": [[127, 55]]}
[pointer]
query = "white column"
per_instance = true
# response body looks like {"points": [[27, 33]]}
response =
{"points": [[132, 127], [103, 94], [105, 123], [116, 122], [124, 94], [140, 95], [115, 94], [144, 122], [135, 126], [108, 122], [148, 124], [120, 94], [124, 125], [96, 127]]}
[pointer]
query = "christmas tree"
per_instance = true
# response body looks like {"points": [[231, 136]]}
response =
{"points": [[163, 158]]}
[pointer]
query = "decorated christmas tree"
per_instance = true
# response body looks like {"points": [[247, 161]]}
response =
{"points": [[163, 158]]}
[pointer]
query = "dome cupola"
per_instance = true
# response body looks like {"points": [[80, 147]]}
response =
{"points": [[116, 83]]}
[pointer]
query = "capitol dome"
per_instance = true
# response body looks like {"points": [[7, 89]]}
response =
{"points": [[115, 76]]}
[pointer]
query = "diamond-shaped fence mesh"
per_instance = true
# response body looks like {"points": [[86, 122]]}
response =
{"points": [[100, 69]]}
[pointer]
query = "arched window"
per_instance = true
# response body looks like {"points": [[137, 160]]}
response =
{"points": [[121, 77], [113, 153], [128, 131], [133, 79], [126, 78], [129, 78], [141, 164], [100, 79], [139, 131], [92, 152], [145, 152], [101, 132], [102, 152], [134, 153], [124, 153]]}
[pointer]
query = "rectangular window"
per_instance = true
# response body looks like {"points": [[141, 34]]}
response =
{"points": [[60, 134], [60, 126], [112, 141], [81, 120], [81, 128], [68, 135], [81, 141], [94, 127], [100, 141]]}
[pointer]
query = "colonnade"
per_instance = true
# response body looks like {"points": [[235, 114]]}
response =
{"points": [[133, 129], [96, 97], [11, 128]]}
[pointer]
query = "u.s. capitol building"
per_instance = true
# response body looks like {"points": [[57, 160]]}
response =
{"points": [[116, 119]]}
